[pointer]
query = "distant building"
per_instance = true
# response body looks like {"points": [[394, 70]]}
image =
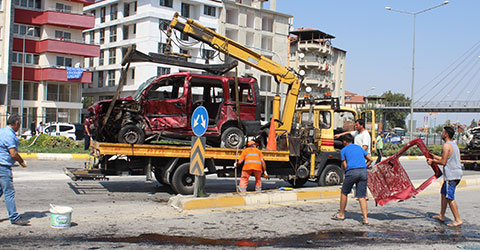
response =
{"points": [[5, 48], [52, 34], [352, 100], [311, 50]]}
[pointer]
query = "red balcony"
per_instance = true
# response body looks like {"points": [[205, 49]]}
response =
{"points": [[50, 17], [48, 74], [57, 46]]}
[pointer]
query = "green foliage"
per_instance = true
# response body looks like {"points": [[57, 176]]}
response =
{"points": [[87, 101], [395, 119], [473, 123], [50, 144], [391, 149]]}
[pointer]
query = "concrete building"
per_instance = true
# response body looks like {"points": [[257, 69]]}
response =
{"points": [[5, 24], [311, 50], [50, 34], [121, 23], [265, 31]]}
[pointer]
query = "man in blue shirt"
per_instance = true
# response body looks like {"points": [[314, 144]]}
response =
{"points": [[8, 156], [353, 160]]}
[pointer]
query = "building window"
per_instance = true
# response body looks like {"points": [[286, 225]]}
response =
{"points": [[184, 51], [113, 33], [92, 37], [185, 10], [102, 14], [163, 24], [29, 58], [209, 10], [92, 13], [162, 71], [267, 24], [126, 9], [21, 29], [207, 54], [102, 35], [134, 28], [161, 47], [183, 37], [133, 74], [113, 11], [61, 35], [135, 6], [63, 7], [101, 57], [265, 83], [112, 54], [36, 4], [111, 78], [101, 79], [125, 32], [64, 61], [166, 3]]}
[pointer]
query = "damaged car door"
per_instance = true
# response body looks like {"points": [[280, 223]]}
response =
{"points": [[165, 104]]}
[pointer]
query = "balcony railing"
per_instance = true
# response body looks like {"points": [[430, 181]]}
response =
{"points": [[53, 17], [317, 46]]}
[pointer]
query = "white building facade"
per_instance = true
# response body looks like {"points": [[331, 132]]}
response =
{"points": [[121, 23], [311, 51], [5, 21], [266, 32]]}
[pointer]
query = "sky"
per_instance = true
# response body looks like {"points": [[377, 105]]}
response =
{"points": [[379, 47]]}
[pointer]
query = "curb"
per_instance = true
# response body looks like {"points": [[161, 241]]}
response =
{"points": [[54, 157], [230, 200]]}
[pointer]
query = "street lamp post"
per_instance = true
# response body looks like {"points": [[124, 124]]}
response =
{"points": [[23, 79], [366, 96], [414, 14]]}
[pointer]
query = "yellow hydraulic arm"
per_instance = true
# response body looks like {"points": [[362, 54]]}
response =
{"points": [[231, 48]]}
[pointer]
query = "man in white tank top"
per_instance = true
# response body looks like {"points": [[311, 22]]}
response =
{"points": [[452, 173]]}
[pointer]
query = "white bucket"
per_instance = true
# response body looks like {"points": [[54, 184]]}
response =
{"points": [[60, 216]]}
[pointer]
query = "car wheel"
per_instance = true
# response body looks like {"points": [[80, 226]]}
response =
{"points": [[232, 137], [182, 180], [331, 175], [131, 134]]}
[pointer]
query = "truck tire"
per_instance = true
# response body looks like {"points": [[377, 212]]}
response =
{"points": [[331, 175], [297, 183], [232, 138], [160, 176], [182, 180], [131, 134]]}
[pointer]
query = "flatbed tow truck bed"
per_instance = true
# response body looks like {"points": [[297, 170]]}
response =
{"points": [[105, 149]]}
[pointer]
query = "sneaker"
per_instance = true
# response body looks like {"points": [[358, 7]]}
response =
{"points": [[21, 222]]}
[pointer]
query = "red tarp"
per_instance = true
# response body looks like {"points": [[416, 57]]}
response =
{"points": [[388, 180]]}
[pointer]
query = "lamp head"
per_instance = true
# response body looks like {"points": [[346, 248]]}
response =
{"points": [[446, 2], [390, 8]]}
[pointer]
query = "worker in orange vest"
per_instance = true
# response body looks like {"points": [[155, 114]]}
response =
{"points": [[253, 161]]}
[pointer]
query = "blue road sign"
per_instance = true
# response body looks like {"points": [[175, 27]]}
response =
{"points": [[200, 121]]}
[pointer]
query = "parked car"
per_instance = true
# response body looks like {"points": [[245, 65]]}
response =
{"points": [[162, 108], [61, 129], [392, 138]]}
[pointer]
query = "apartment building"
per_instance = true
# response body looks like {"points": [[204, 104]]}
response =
{"points": [[5, 21], [47, 59], [263, 30], [121, 23], [311, 51]]}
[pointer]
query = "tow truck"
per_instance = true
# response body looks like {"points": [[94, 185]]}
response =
{"points": [[306, 148]]}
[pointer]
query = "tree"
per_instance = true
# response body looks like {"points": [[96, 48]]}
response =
{"points": [[396, 119], [473, 123], [87, 101]]}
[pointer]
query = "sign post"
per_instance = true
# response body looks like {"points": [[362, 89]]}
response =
{"points": [[197, 151]]}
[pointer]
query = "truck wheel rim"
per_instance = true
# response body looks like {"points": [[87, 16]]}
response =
{"points": [[233, 139], [131, 137], [332, 178]]}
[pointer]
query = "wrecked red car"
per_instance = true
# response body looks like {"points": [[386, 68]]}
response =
{"points": [[162, 108]]}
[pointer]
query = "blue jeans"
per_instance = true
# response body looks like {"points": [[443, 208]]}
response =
{"points": [[6, 188]]}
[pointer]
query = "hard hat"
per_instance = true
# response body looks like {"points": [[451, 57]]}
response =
{"points": [[251, 143]]}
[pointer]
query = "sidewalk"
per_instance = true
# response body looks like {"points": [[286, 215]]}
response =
{"points": [[189, 202]]}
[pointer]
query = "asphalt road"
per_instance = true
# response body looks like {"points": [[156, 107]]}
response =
{"points": [[129, 213]]}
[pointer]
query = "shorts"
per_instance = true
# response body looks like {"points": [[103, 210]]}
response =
{"points": [[448, 189], [359, 177]]}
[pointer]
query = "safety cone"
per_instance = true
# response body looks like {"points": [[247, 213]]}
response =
{"points": [[272, 142]]}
